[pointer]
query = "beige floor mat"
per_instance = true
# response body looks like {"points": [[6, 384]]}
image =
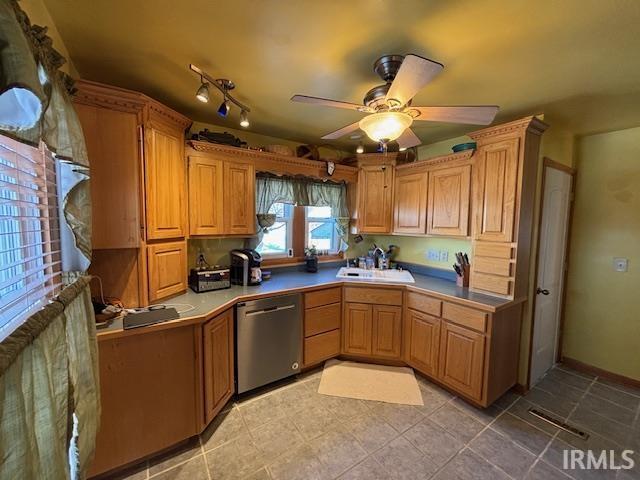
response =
{"points": [[366, 381]]}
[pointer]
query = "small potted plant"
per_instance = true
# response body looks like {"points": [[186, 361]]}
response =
{"points": [[311, 259]]}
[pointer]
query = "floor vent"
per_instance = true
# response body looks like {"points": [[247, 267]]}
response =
{"points": [[559, 423]]}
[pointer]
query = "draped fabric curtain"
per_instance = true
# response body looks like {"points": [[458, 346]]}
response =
{"points": [[48, 376], [305, 192]]}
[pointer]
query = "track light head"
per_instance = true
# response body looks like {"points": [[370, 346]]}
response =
{"points": [[360, 148], [244, 119], [402, 149], [203, 93], [223, 109]]}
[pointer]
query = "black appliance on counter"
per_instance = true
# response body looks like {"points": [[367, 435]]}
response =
{"points": [[245, 267], [206, 280]]}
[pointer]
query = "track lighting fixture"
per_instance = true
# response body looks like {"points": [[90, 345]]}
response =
{"points": [[360, 148], [244, 119], [203, 92], [225, 86]]}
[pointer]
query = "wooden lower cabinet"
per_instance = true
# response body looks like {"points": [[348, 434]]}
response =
{"points": [[462, 354], [422, 341], [386, 331], [356, 330], [218, 369], [322, 346]]}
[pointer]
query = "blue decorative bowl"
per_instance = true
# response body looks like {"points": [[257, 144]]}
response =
{"points": [[464, 146]]}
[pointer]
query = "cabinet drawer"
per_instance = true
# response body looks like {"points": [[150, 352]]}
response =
{"points": [[322, 297], [377, 296], [467, 317], [496, 266], [322, 319], [424, 304], [491, 283], [494, 250], [321, 347]]}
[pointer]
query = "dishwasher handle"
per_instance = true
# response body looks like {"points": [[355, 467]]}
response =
{"points": [[269, 310]]}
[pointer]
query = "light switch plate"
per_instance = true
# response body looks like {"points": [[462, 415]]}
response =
{"points": [[444, 256], [433, 255], [620, 264]]}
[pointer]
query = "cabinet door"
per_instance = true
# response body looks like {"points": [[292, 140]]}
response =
{"points": [[165, 184], [449, 197], [357, 328], [495, 190], [462, 359], [112, 146], [239, 198], [375, 195], [410, 203], [218, 363], [167, 266], [387, 331], [422, 336], [205, 196]]}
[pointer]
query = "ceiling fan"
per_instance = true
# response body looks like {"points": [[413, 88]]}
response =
{"points": [[389, 109]]}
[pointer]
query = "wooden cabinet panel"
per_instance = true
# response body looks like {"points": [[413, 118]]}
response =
{"points": [[495, 266], [424, 303], [462, 359], [410, 203], [386, 331], [449, 197], [491, 283], [148, 395], [495, 190], [205, 196], [422, 341], [167, 266], [380, 296], [375, 185], [322, 319], [467, 317], [321, 347], [218, 363], [356, 328], [112, 146], [165, 184], [322, 297], [239, 198]]}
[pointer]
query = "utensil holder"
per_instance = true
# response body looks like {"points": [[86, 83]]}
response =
{"points": [[463, 281]]}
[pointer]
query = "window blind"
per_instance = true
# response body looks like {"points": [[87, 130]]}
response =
{"points": [[30, 268]]}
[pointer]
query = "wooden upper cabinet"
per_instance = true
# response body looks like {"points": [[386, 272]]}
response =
{"points": [[495, 190], [218, 363], [422, 341], [167, 269], [462, 359], [356, 331], [112, 139], [410, 203], [165, 183], [386, 340], [375, 192], [206, 186], [449, 197], [239, 198]]}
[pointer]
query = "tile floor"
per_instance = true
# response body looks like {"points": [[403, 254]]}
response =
{"points": [[292, 432]]}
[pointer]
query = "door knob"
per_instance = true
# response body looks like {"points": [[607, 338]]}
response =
{"points": [[542, 291]]}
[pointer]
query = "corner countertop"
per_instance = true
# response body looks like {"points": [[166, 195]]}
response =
{"points": [[209, 304]]}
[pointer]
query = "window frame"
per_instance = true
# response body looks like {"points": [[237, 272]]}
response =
{"points": [[334, 233], [288, 221]]}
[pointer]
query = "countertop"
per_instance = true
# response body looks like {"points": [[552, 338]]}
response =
{"points": [[209, 304]]}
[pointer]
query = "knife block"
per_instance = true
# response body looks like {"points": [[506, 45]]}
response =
{"points": [[463, 281]]}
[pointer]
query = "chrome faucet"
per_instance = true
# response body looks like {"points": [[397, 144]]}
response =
{"points": [[381, 258]]}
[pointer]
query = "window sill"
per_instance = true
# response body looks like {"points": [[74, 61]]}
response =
{"points": [[285, 261]]}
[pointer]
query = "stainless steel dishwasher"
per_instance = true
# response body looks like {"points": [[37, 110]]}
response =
{"points": [[268, 340]]}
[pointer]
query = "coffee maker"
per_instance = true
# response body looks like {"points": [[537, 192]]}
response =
{"points": [[245, 267]]}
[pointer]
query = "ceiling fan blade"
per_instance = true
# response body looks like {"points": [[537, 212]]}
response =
{"points": [[330, 103], [408, 139], [414, 73], [474, 115], [342, 132]]}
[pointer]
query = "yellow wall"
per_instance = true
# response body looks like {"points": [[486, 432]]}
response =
{"points": [[602, 319]]}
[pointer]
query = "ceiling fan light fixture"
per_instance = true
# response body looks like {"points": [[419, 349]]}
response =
{"points": [[203, 92], [244, 119], [385, 126]]}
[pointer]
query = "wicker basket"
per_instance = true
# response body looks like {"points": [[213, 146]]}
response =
{"points": [[280, 150]]}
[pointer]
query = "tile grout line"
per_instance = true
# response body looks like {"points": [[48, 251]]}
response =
{"points": [[206, 463]]}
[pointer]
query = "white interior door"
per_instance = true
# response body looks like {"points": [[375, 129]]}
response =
{"points": [[551, 259]]}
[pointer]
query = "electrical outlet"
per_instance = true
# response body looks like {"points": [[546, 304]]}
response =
{"points": [[444, 256], [620, 264], [433, 255]]}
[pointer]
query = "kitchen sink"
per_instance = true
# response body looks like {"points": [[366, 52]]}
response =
{"points": [[376, 275]]}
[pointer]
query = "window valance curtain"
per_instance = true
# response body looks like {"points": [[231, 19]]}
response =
{"points": [[305, 192], [48, 382], [35, 102]]}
